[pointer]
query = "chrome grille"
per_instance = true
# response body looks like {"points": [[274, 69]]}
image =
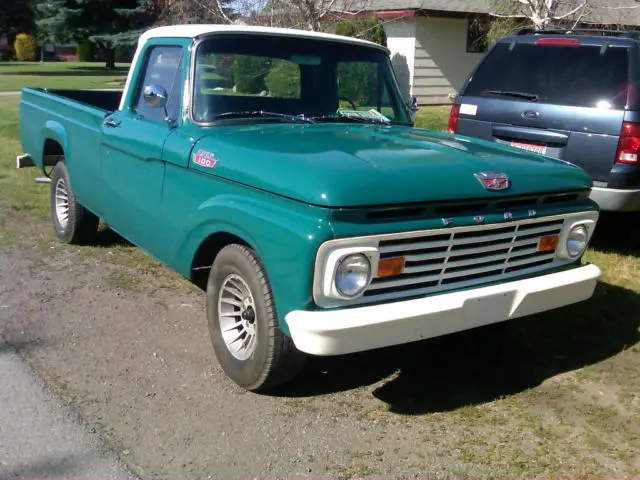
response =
{"points": [[437, 261]]}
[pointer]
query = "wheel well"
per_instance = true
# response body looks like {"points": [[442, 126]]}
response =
{"points": [[207, 253], [52, 153]]}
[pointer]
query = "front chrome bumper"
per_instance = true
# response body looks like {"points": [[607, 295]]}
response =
{"points": [[341, 331]]}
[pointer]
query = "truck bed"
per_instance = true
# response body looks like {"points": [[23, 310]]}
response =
{"points": [[107, 100]]}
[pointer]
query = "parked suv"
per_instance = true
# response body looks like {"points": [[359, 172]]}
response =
{"points": [[571, 96]]}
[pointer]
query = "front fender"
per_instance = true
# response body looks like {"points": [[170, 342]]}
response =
{"points": [[285, 234]]}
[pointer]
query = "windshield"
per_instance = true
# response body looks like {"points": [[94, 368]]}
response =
{"points": [[582, 76], [250, 77]]}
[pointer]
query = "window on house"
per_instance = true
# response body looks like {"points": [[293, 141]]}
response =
{"points": [[477, 30]]}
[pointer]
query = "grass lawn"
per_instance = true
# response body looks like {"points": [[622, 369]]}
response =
{"points": [[434, 118], [553, 395], [15, 75]]}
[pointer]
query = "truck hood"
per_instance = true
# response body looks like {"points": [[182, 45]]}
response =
{"points": [[338, 165]]}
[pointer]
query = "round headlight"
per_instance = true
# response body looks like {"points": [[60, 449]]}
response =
{"points": [[352, 275], [577, 241]]}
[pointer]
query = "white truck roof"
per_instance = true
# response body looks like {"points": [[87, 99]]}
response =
{"points": [[196, 30]]}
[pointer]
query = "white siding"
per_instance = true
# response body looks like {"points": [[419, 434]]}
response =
{"points": [[442, 63], [401, 40]]}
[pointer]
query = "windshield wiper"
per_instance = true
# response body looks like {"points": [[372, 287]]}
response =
{"points": [[262, 113], [508, 93], [347, 117]]}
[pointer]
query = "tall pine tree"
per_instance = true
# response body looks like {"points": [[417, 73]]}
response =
{"points": [[16, 16], [107, 23]]}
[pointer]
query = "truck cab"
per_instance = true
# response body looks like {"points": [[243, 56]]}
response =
{"points": [[280, 171]]}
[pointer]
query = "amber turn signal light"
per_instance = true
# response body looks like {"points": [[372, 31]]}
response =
{"points": [[548, 243], [389, 267]]}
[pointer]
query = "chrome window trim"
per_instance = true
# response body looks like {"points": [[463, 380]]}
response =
{"points": [[322, 269]]}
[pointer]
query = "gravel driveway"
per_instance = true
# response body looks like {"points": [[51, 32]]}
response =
{"points": [[130, 353]]}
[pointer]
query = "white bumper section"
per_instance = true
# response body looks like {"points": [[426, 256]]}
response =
{"points": [[335, 332]]}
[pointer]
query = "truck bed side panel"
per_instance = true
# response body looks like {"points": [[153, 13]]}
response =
{"points": [[76, 127]]}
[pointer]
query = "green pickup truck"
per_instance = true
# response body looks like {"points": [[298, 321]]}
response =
{"points": [[279, 171]]}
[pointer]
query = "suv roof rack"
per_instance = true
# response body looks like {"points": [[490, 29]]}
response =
{"points": [[632, 34]]}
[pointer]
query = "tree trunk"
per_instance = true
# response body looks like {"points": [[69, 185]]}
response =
{"points": [[109, 58]]}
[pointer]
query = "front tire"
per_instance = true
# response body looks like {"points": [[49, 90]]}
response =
{"points": [[250, 346], [72, 223]]}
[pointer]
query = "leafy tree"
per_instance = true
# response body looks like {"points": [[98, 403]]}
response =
{"points": [[501, 27], [249, 73], [106, 23], [193, 11]]}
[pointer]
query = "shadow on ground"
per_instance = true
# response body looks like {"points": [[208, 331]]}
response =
{"points": [[618, 233], [484, 364], [47, 466]]}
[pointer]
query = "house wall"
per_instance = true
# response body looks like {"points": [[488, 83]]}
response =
{"points": [[401, 41], [441, 63]]}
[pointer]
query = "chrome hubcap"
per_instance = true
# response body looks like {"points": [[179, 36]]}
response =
{"points": [[62, 203], [238, 317]]}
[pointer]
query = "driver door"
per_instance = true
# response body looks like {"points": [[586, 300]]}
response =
{"points": [[132, 144]]}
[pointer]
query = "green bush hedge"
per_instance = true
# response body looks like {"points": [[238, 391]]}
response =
{"points": [[84, 51]]}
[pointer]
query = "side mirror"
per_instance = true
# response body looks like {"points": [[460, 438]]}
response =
{"points": [[155, 96], [412, 104]]}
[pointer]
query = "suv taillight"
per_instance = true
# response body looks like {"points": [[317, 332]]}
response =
{"points": [[629, 144], [452, 124]]}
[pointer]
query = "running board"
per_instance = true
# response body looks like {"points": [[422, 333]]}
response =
{"points": [[24, 161]]}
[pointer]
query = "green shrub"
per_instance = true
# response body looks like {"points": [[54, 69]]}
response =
{"points": [[283, 80], [249, 74], [26, 48], [84, 51], [365, 28]]}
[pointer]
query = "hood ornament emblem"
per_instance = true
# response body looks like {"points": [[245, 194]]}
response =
{"points": [[493, 181]]}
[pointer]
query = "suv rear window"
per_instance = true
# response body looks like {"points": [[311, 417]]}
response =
{"points": [[576, 76]]}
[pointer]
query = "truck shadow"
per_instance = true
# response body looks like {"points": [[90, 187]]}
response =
{"points": [[107, 238], [484, 364], [618, 233]]}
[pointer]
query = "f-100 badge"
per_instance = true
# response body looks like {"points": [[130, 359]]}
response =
{"points": [[205, 158]]}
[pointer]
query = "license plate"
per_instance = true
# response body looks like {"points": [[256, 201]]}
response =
{"points": [[531, 147]]}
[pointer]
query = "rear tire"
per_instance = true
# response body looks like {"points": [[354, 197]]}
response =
{"points": [[250, 346], [72, 223]]}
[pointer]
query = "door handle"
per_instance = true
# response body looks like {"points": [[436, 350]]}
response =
{"points": [[110, 122]]}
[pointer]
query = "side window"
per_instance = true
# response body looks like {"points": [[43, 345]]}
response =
{"points": [[163, 68]]}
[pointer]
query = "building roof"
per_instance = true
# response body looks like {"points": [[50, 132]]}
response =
{"points": [[604, 12], [192, 31]]}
